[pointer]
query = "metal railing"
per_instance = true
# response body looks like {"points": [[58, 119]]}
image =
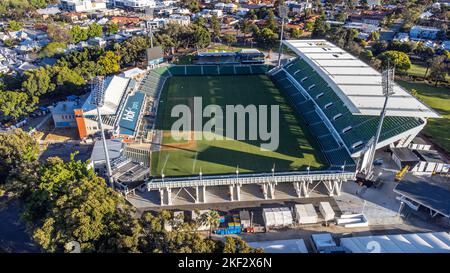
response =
{"points": [[251, 178]]}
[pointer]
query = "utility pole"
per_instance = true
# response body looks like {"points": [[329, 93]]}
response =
{"points": [[282, 11], [388, 89], [98, 99]]}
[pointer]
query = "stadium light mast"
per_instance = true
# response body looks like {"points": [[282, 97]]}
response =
{"points": [[149, 16], [282, 11], [98, 100], [387, 83]]}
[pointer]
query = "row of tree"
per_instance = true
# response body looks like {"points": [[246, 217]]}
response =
{"points": [[382, 53], [67, 202], [22, 8], [70, 73]]}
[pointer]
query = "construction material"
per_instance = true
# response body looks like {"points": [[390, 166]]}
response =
{"points": [[245, 219], [352, 220], [305, 214], [277, 217], [326, 210]]}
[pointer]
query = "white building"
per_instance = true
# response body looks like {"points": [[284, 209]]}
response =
{"points": [[298, 7], [179, 19], [135, 4], [433, 242], [82, 5], [63, 114]]}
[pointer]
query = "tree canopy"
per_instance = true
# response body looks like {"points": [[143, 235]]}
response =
{"points": [[395, 58]]}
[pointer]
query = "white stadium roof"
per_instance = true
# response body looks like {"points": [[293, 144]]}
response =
{"points": [[115, 87], [356, 83], [436, 242]]}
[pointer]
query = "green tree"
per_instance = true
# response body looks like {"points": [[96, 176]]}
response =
{"points": [[16, 104], [38, 81], [366, 55], [237, 245], [78, 34], [71, 203], [296, 33], [320, 27], [8, 43], [271, 22], [215, 26], [395, 58], [109, 63], [59, 33], [94, 30], [14, 25], [133, 49], [229, 39], [52, 49], [112, 28], [438, 70], [67, 77], [210, 219], [375, 35], [341, 16], [17, 149], [166, 42], [181, 239], [201, 37], [266, 38], [309, 26]]}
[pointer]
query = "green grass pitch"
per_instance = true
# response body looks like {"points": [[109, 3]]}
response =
{"points": [[295, 152]]}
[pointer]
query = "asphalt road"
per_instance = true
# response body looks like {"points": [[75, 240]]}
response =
{"points": [[13, 235]]}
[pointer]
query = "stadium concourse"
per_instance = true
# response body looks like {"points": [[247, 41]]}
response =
{"points": [[338, 100]]}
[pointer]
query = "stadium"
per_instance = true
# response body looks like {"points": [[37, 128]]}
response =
{"points": [[330, 104]]}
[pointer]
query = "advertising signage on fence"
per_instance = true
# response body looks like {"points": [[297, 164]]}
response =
{"points": [[130, 114]]}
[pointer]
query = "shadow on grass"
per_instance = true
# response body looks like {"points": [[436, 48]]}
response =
{"points": [[249, 161]]}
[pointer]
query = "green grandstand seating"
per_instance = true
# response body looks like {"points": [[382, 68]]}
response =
{"points": [[363, 127], [259, 69], [226, 70], [242, 70], [210, 70], [327, 142], [177, 70], [319, 129], [192, 70]]}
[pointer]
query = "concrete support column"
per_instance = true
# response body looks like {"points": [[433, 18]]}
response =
{"points": [[169, 196], [298, 189], [272, 190], [161, 196], [197, 195], [238, 192], [337, 187], [305, 188], [231, 193], [330, 187], [264, 188], [203, 194]]}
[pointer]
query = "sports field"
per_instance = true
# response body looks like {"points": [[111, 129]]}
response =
{"points": [[295, 150]]}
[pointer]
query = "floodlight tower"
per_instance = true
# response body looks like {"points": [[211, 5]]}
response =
{"points": [[149, 16], [387, 83], [282, 11], [98, 99]]}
